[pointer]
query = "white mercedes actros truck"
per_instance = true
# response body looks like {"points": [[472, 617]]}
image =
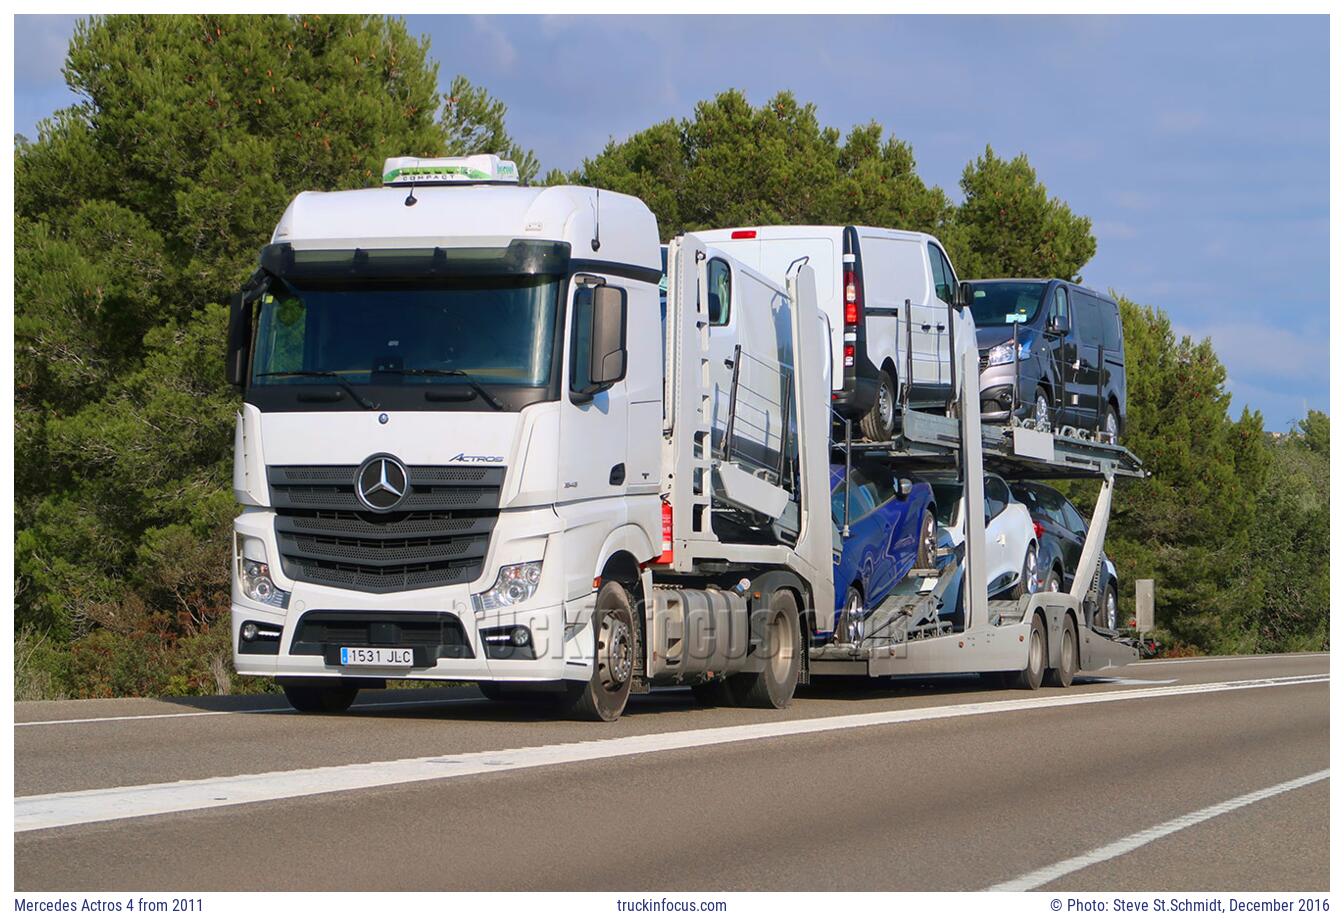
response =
{"points": [[476, 444]]}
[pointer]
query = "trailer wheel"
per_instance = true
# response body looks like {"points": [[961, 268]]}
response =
{"points": [[773, 687], [1062, 676], [326, 699], [1030, 677], [880, 422], [603, 697]]}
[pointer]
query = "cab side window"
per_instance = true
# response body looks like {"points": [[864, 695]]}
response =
{"points": [[720, 292], [942, 274], [1059, 310]]}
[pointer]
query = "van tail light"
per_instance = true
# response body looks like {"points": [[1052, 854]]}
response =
{"points": [[849, 356], [853, 298], [744, 234], [1040, 530], [665, 557]]}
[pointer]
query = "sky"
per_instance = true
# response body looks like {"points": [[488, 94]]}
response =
{"points": [[1198, 146]]}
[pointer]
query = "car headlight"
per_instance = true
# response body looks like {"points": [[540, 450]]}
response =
{"points": [[1003, 352], [514, 585], [254, 575]]}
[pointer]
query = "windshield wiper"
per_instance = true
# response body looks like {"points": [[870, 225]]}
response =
{"points": [[466, 378], [341, 381]]}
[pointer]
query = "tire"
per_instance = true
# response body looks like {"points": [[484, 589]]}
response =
{"points": [[1030, 677], [1026, 583], [1062, 676], [1110, 426], [880, 422], [321, 699], [603, 697], [927, 553], [1108, 614], [849, 625], [774, 686], [1040, 410], [503, 692]]}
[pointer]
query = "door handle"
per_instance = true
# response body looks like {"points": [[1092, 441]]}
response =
{"points": [[926, 326], [1002, 540]]}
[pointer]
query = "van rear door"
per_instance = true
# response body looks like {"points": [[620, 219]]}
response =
{"points": [[895, 270]]}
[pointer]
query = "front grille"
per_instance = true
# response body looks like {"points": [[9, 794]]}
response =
{"points": [[430, 636], [437, 536]]}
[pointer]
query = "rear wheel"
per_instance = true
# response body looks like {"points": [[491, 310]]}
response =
{"points": [[1109, 613], [1062, 676], [773, 687], [603, 697], [1026, 584], [928, 541], [1055, 582], [1110, 426], [326, 699], [1030, 677], [880, 422]]}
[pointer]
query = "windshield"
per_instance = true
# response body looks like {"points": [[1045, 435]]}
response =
{"points": [[1001, 303], [946, 499], [496, 329]]}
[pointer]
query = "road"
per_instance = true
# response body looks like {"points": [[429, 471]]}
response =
{"points": [[933, 785]]}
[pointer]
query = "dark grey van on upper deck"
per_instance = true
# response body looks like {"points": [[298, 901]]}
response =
{"points": [[1070, 356]]}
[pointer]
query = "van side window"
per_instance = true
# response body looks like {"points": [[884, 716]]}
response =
{"points": [[720, 292], [1111, 327], [942, 275], [1087, 319]]}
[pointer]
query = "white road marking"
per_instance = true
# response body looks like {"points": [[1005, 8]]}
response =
{"points": [[86, 806], [1125, 681], [1205, 659], [234, 712], [1134, 841]]}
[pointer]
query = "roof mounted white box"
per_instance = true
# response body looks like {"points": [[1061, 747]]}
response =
{"points": [[480, 168]]}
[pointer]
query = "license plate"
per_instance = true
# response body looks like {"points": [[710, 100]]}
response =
{"points": [[377, 657]]}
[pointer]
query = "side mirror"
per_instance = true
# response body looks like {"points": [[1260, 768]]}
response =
{"points": [[963, 295], [904, 487], [1058, 325], [600, 318], [240, 340]]}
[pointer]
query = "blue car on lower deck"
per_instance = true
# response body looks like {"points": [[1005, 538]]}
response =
{"points": [[892, 530]]}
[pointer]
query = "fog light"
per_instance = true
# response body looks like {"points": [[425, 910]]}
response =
{"points": [[249, 631], [520, 637]]}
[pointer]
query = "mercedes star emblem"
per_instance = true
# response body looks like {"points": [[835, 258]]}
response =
{"points": [[381, 483]]}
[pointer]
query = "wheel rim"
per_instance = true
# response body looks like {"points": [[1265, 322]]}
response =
{"points": [[1054, 582], [929, 540], [1066, 655], [615, 653], [1112, 426], [886, 404], [1042, 411], [782, 660], [1112, 614], [1032, 580], [853, 631]]}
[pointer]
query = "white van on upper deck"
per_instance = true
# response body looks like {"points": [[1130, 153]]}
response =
{"points": [[865, 278]]}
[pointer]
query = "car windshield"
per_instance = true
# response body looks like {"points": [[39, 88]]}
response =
{"points": [[1002, 303], [496, 329], [947, 498]]}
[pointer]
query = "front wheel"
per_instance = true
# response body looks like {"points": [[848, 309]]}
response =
{"points": [[773, 687], [1040, 410], [1109, 614], [1110, 426], [928, 541], [880, 422], [850, 626], [332, 699], [603, 697]]}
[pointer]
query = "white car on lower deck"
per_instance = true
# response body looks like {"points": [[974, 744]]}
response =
{"points": [[1011, 541]]}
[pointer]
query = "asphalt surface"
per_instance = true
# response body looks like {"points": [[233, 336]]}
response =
{"points": [[963, 801]]}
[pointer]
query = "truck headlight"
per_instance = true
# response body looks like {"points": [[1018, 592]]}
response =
{"points": [[254, 575], [1003, 352], [514, 585]]}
